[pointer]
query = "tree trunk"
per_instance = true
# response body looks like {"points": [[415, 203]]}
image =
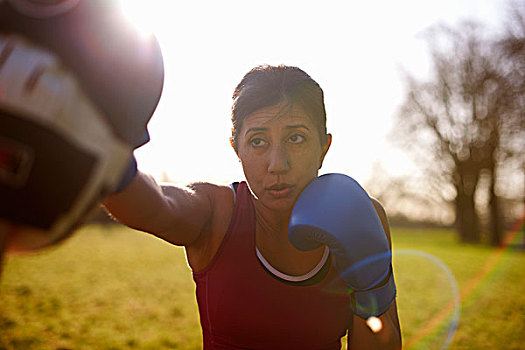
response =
{"points": [[496, 226], [467, 221]]}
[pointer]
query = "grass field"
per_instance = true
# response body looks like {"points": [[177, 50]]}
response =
{"points": [[114, 288]]}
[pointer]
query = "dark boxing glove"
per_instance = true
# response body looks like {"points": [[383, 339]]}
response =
{"points": [[76, 93]]}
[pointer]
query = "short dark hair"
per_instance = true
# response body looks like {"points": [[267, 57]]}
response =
{"points": [[266, 86]]}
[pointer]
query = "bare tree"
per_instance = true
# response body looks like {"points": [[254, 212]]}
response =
{"points": [[510, 117], [454, 121]]}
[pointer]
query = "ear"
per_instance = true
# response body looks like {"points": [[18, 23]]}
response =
{"points": [[233, 146], [325, 149]]}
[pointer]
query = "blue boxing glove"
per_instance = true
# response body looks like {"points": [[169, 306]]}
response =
{"points": [[334, 210]]}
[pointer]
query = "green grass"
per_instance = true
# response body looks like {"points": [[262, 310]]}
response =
{"points": [[105, 288], [491, 290], [114, 288]]}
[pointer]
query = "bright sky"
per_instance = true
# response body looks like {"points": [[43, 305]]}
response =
{"points": [[353, 49]]}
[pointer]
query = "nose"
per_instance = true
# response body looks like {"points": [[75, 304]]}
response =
{"points": [[278, 162]]}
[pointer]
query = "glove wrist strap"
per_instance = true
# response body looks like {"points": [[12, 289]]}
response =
{"points": [[375, 301]]}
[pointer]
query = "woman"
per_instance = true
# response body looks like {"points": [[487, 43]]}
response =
{"points": [[254, 290]]}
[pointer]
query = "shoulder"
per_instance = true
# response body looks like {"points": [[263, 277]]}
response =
{"points": [[201, 251], [184, 212], [379, 208], [214, 197], [215, 193], [219, 195], [381, 212], [207, 192]]}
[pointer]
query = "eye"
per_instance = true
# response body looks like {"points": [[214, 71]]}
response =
{"points": [[296, 138], [257, 142]]}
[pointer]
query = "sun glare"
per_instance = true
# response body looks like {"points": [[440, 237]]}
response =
{"points": [[141, 14]]}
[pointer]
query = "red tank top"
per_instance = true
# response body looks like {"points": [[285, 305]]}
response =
{"points": [[242, 306]]}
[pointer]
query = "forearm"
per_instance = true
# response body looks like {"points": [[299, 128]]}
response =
{"points": [[387, 336], [140, 204], [174, 214]]}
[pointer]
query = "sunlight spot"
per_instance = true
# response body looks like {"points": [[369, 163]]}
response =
{"points": [[374, 324]]}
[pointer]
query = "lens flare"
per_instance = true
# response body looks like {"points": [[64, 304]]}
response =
{"points": [[428, 299]]}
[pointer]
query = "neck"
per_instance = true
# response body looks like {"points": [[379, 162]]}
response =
{"points": [[273, 224], [271, 238], [275, 221]]}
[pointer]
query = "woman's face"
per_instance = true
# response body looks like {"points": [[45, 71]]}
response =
{"points": [[281, 152]]}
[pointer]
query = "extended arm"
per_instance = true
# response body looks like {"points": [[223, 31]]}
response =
{"points": [[175, 214]]}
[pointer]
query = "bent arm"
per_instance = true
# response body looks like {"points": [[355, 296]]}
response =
{"points": [[389, 337], [175, 214]]}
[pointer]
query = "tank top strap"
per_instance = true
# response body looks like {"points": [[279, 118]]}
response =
{"points": [[243, 211], [238, 243], [241, 231]]}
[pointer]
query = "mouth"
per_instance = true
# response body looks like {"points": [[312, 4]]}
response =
{"points": [[280, 190]]}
